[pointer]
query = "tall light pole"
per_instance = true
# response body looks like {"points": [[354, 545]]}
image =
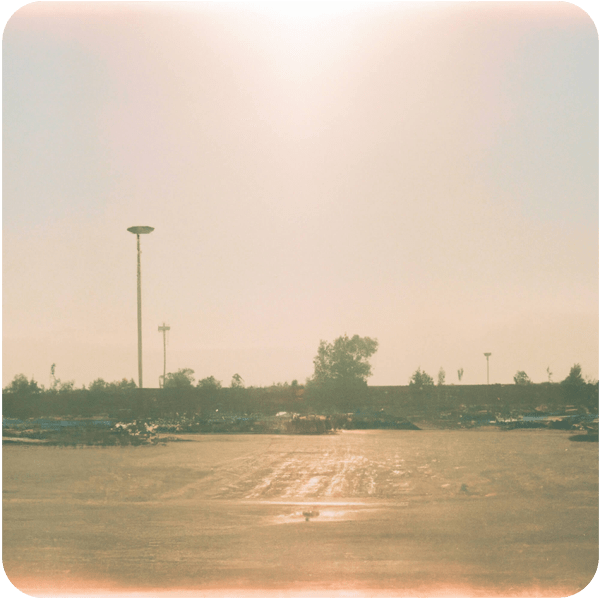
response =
{"points": [[164, 328], [139, 230], [487, 356]]}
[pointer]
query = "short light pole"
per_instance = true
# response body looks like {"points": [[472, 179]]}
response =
{"points": [[487, 356], [137, 231], [164, 328]]}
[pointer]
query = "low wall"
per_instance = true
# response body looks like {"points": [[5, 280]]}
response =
{"points": [[395, 400]]}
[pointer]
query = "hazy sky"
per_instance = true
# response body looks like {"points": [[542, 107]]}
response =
{"points": [[425, 174]]}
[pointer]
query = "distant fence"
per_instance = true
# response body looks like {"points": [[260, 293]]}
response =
{"points": [[395, 400]]}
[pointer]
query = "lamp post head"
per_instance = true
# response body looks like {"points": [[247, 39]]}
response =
{"points": [[140, 229], [487, 354]]}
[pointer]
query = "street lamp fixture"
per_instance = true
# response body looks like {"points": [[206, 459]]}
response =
{"points": [[487, 356], [138, 231]]}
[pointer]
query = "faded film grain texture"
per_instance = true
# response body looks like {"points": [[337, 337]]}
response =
{"points": [[408, 513], [424, 174], [416, 181]]}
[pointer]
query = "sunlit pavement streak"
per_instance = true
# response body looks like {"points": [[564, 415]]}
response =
{"points": [[397, 510], [345, 473]]}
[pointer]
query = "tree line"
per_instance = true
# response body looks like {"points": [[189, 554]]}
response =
{"points": [[341, 371]]}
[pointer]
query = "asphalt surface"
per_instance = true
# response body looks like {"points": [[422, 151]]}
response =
{"points": [[390, 513]]}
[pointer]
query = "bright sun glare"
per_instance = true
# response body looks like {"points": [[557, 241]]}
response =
{"points": [[300, 13]]}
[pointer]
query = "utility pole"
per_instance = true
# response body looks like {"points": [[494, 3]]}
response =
{"points": [[164, 328]]}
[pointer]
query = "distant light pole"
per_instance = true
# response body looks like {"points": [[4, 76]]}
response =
{"points": [[487, 356], [164, 328], [139, 230]]}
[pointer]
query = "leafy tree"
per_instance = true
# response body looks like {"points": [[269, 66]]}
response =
{"points": [[99, 385], [124, 385], [21, 385], [184, 378], [576, 389], [461, 372], [441, 378], [345, 361], [421, 386], [66, 386], [341, 370], [209, 389], [521, 378], [54, 382], [281, 385], [574, 378], [237, 382], [56, 385], [295, 389], [420, 380], [209, 383]]}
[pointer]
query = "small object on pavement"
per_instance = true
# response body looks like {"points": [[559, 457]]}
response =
{"points": [[310, 513]]}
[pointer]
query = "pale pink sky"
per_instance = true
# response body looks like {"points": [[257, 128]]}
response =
{"points": [[425, 174]]}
